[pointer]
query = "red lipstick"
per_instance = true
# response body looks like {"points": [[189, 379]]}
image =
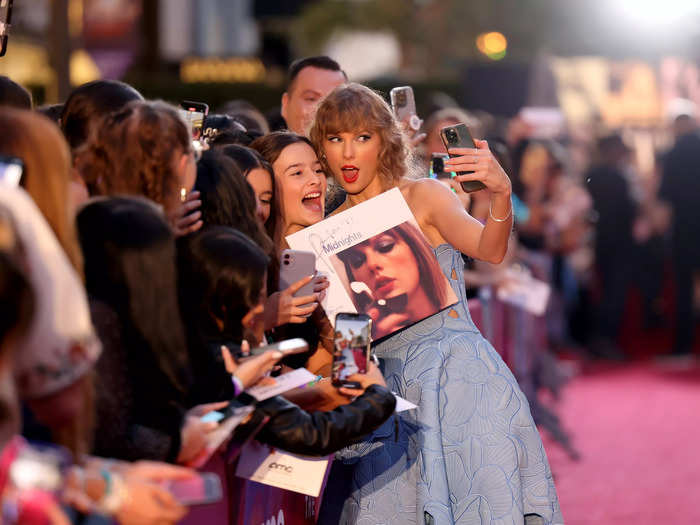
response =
{"points": [[350, 173]]}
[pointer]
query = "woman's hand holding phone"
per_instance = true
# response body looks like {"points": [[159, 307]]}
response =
{"points": [[253, 369], [148, 502], [483, 164], [186, 218], [282, 307], [415, 136], [193, 437], [372, 377]]}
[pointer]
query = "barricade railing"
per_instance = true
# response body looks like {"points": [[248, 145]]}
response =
{"points": [[516, 335]]}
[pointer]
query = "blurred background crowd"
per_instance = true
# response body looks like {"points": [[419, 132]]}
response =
{"points": [[590, 107]]}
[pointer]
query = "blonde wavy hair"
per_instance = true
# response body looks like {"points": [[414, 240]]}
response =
{"points": [[354, 107]]}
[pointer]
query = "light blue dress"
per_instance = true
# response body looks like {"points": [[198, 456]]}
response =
{"points": [[469, 454]]}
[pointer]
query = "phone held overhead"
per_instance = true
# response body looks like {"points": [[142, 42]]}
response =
{"points": [[5, 23], [458, 136], [194, 113], [403, 104]]}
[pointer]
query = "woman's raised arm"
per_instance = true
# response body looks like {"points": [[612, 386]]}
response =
{"points": [[439, 211]]}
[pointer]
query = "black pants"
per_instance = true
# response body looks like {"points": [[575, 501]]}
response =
{"points": [[616, 269], [686, 261]]}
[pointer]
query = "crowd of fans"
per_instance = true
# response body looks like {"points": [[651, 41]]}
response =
{"points": [[135, 268]]}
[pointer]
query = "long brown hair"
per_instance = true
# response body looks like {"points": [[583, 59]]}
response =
{"points": [[47, 171], [133, 152], [354, 107]]}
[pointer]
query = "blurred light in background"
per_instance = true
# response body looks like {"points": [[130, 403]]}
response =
{"points": [[235, 69], [493, 45], [365, 55], [83, 68], [654, 12]]}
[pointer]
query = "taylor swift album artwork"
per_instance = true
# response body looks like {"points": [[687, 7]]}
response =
{"points": [[379, 263]]}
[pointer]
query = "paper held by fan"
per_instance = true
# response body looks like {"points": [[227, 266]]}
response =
{"points": [[378, 262]]}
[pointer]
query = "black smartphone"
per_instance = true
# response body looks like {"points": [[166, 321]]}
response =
{"points": [[437, 166], [11, 169], [194, 113], [351, 355], [5, 22], [458, 136]]}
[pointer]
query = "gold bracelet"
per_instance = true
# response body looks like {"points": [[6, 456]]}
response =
{"points": [[510, 212]]}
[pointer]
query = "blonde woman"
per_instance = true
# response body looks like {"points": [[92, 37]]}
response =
{"points": [[470, 453]]}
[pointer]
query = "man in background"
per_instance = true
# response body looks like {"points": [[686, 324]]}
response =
{"points": [[309, 80], [680, 187], [616, 211]]}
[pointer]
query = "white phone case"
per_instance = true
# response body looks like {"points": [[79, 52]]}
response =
{"points": [[294, 265]]}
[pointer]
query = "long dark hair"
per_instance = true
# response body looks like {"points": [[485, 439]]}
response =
{"points": [[88, 103], [16, 300], [247, 159], [16, 312], [222, 275], [129, 253], [227, 198]]}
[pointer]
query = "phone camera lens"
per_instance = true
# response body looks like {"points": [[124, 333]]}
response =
{"points": [[451, 136], [286, 262]]}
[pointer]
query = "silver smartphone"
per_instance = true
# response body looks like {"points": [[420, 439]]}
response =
{"points": [[294, 266], [403, 103]]}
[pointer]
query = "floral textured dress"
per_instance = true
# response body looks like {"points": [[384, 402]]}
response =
{"points": [[469, 454]]}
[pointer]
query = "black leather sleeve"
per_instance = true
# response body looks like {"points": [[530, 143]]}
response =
{"points": [[321, 433]]}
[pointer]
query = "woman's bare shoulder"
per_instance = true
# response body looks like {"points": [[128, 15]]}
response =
{"points": [[423, 192]]}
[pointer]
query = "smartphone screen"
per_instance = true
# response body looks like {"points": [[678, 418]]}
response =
{"points": [[11, 169], [198, 490], [352, 346], [194, 113], [437, 167]]}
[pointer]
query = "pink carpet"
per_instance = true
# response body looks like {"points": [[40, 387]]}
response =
{"points": [[637, 427]]}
